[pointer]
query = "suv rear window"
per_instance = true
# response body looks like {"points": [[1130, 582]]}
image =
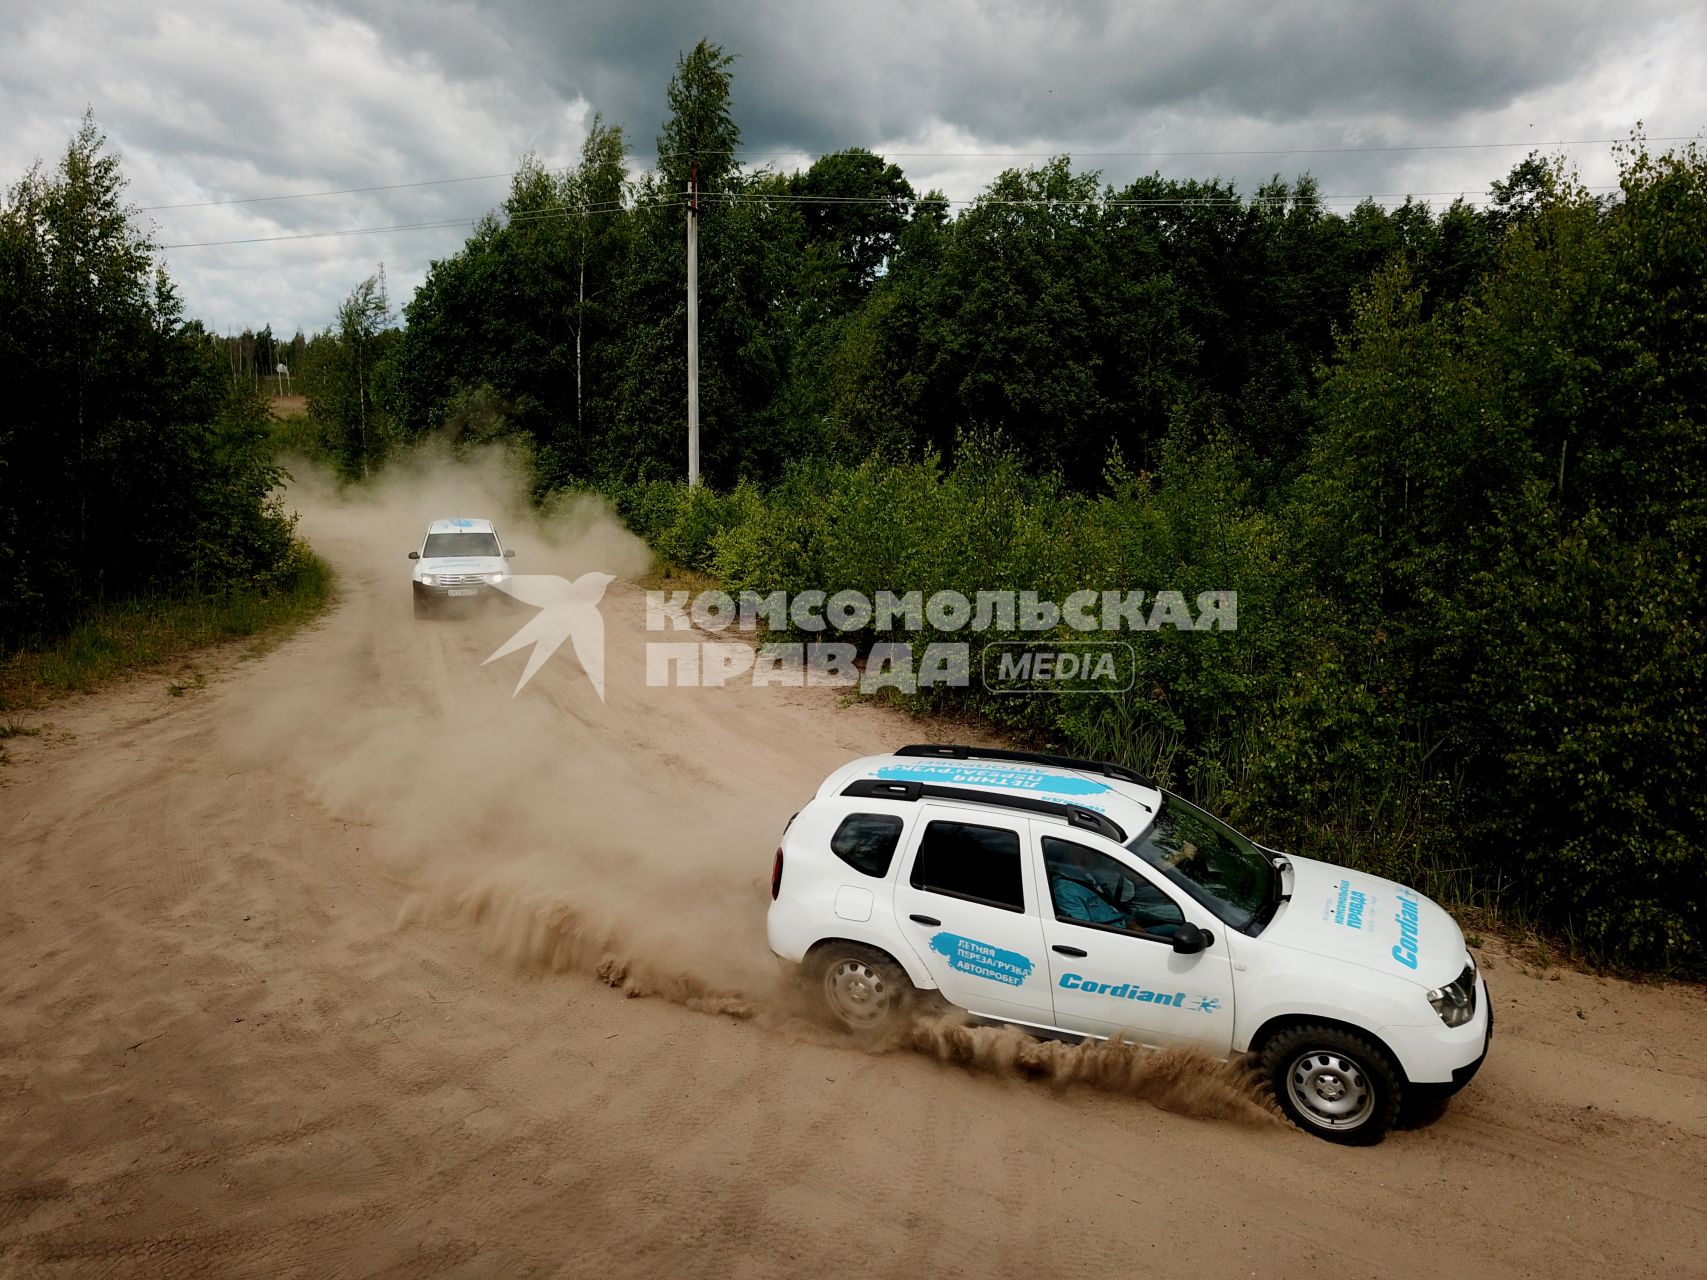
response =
{"points": [[968, 861], [866, 842]]}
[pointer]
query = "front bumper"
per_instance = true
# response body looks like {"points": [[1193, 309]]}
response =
{"points": [[1463, 1075], [1448, 1077], [442, 592], [1440, 1057]]}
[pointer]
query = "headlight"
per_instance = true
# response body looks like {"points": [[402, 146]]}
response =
{"points": [[428, 580], [1456, 1001], [494, 578]]}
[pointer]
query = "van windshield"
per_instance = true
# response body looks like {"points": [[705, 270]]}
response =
{"points": [[460, 544], [1208, 859]]}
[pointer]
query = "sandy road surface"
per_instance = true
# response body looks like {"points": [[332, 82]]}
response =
{"points": [[297, 978]]}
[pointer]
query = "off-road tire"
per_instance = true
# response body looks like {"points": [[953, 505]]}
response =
{"points": [[862, 990], [1334, 1083]]}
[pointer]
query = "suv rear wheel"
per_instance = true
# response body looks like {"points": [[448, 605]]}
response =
{"points": [[864, 990], [1333, 1083]]}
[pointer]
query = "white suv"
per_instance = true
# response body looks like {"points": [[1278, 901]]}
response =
{"points": [[1074, 898], [458, 559]]}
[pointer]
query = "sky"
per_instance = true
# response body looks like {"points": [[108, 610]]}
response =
{"points": [[211, 102]]}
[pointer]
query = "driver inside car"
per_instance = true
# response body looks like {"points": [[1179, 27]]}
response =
{"points": [[1078, 893], [1084, 891]]}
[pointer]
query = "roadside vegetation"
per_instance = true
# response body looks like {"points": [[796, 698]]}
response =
{"points": [[139, 505], [147, 632]]}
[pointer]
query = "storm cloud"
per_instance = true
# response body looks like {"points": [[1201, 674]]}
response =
{"points": [[220, 102]]}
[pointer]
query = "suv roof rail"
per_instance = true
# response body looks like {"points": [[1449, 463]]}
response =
{"points": [[955, 751], [1076, 816]]}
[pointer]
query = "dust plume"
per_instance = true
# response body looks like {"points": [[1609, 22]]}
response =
{"points": [[533, 928], [489, 804], [1185, 1081]]}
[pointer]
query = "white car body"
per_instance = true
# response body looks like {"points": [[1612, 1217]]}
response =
{"points": [[1342, 947], [458, 559]]}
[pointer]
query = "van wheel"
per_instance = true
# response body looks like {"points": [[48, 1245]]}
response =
{"points": [[1333, 1083], [865, 991], [422, 608]]}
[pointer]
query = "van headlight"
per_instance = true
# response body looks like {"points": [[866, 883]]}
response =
{"points": [[1456, 1001], [494, 578], [428, 580]]}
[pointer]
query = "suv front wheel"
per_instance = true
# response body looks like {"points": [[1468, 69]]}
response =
{"points": [[1333, 1083], [863, 990]]}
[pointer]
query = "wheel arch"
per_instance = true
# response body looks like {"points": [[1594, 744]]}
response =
{"points": [[916, 974], [1283, 1022]]}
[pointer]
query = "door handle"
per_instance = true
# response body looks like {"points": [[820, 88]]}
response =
{"points": [[1070, 951], [930, 920]]}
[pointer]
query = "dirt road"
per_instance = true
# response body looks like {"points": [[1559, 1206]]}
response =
{"points": [[350, 963]]}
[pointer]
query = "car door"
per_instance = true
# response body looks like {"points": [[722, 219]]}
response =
{"points": [[968, 900], [1109, 925]]}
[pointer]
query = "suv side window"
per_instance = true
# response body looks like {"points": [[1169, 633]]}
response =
{"points": [[963, 860], [1091, 888], [866, 842]]}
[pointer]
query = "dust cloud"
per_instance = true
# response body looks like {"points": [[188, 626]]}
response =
{"points": [[560, 829], [1184, 1081], [564, 851]]}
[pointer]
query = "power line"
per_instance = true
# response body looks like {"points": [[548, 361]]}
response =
{"points": [[606, 206], [763, 198], [1235, 151], [940, 155], [321, 235], [312, 195]]}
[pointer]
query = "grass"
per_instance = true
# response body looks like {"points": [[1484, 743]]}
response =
{"points": [[665, 576], [122, 639]]}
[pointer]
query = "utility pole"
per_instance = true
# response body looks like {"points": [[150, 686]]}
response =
{"points": [[693, 324]]}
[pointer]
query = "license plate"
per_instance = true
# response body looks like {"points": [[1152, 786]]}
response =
{"points": [[463, 591]]}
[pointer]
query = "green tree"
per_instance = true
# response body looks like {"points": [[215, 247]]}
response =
{"points": [[748, 248], [1504, 502], [352, 403], [593, 194], [855, 204], [700, 132], [129, 457]]}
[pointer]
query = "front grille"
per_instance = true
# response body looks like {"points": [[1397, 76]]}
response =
{"points": [[461, 579]]}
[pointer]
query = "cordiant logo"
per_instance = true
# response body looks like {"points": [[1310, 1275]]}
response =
{"points": [[1405, 950], [1134, 991], [567, 611]]}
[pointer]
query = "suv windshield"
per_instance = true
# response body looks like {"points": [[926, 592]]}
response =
{"points": [[1208, 859], [460, 544]]}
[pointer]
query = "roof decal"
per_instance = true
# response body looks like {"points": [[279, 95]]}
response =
{"points": [[959, 773]]}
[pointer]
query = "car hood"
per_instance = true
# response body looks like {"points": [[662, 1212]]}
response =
{"points": [[1368, 921], [463, 564]]}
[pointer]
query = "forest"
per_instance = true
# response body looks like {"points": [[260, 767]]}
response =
{"points": [[1449, 459]]}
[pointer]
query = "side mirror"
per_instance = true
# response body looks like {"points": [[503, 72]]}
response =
{"points": [[1189, 939], [509, 555], [414, 555]]}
